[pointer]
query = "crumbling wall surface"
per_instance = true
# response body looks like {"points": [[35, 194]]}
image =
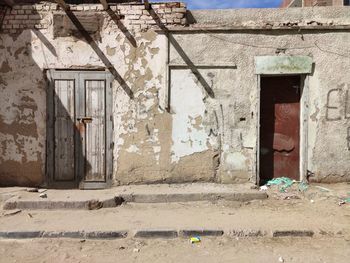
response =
{"points": [[272, 17], [193, 116], [22, 113], [236, 93], [35, 38]]}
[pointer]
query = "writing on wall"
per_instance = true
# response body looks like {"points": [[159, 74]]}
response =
{"points": [[338, 106]]}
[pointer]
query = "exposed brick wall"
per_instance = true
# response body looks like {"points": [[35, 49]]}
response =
{"points": [[133, 16]]}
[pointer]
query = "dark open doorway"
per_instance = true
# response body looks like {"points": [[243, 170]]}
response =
{"points": [[280, 127]]}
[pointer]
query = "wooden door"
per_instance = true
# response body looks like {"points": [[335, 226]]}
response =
{"points": [[280, 127], [79, 129]]}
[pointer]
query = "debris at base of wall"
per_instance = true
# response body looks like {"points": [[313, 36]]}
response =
{"points": [[280, 259], [263, 188], [12, 212], [344, 201], [283, 182], [32, 190], [323, 189], [43, 195], [194, 240]]}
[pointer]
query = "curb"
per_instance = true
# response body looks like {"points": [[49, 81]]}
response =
{"points": [[208, 233], [131, 198], [293, 233], [52, 205], [193, 197], [156, 233], [64, 234]]}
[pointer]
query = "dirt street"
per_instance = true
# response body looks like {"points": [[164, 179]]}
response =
{"points": [[318, 209], [177, 250]]}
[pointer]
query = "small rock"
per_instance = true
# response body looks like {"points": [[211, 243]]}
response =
{"points": [[341, 202], [280, 259], [30, 215], [12, 212], [136, 250], [82, 240], [312, 201], [43, 195], [32, 190], [95, 205], [263, 188], [121, 248]]}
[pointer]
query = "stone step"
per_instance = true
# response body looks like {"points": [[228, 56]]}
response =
{"points": [[107, 198]]}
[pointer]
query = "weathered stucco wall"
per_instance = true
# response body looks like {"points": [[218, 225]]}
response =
{"points": [[184, 133]]}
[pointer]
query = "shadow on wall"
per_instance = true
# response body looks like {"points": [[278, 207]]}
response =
{"points": [[66, 165], [23, 112]]}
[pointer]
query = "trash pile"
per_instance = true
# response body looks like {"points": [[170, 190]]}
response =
{"points": [[292, 189], [284, 183]]}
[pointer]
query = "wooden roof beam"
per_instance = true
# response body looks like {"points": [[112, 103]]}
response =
{"points": [[104, 4], [62, 4], [10, 2], [147, 5]]}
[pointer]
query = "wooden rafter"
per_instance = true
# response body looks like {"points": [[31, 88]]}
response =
{"points": [[10, 2], [62, 4], [104, 4], [147, 5], [95, 47]]}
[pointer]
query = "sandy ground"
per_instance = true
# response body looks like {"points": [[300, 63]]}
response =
{"points": [[317, 209], [177, 250]]}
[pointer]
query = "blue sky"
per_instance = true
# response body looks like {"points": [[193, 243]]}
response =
{"points": [[223, 4]]}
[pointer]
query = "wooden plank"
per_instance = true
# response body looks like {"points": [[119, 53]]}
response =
{"points": [[95, 131], [109, 127], [104, 4], [64, 130], [49, 128]]}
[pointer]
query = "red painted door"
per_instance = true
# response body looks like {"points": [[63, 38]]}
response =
{"points": [[279, 127]]}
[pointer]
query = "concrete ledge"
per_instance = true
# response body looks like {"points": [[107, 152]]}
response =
{"points": [[21, 234], [81, 199], [64, 234], [156, 234], [247, 233], [293, 233], [190, 233], [69, 204], [193, 197]]}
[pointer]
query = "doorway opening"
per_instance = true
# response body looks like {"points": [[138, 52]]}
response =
{"points": [[79, 129], [280, 112]]}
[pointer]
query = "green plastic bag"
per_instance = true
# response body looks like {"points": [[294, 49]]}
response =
{"points": [[284, 182]]}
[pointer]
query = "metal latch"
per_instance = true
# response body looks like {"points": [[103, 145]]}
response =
{"points": [[85, 119]]}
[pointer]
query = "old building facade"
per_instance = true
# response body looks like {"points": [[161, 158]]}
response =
{"points": [[92, 98], [312, 3]]}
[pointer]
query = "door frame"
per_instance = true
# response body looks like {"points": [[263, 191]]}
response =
{"points": [[79, 76], [286, 66], [303, 129]]}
